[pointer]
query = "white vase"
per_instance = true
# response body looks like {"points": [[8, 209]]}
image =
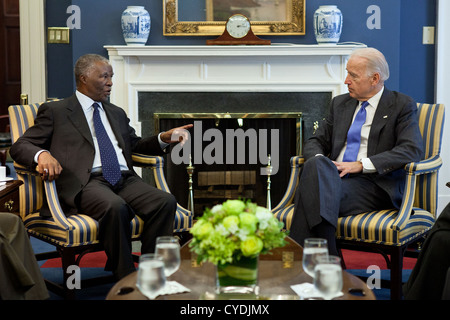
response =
{"points": [[136, 25], [327, 24]]}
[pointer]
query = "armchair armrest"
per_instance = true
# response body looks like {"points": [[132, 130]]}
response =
{"points": [[51, 195], [413, 169], [24, 169], [425, 166], [143, 160], [288, 197], [156, 163], [55, 208]]}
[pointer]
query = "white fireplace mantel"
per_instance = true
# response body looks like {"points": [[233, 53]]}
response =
{"points": [[275, 68]]}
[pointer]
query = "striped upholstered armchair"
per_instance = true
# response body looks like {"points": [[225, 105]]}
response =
{"points": [[76, 234], [390, 232], [284, 210]]}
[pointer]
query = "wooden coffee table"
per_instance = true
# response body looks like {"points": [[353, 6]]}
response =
{"points": [[277, 272]]}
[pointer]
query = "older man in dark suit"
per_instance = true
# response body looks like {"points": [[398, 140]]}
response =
{"points": [[85, 143], [354, 161]]}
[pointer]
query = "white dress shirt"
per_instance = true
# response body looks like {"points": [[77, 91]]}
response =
{"points": [[88, 109]]}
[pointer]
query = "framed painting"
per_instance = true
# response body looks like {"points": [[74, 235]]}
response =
{"points": [[208, 17]]}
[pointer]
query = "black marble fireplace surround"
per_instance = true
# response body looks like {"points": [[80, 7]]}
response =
{"points": [[312, 106]]}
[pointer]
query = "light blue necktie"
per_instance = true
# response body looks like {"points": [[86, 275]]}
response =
{"points": [[354, 134], [108, 156]]}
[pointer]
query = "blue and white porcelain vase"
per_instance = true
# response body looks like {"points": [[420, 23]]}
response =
{"points": [[135, 25], [327, 24]]}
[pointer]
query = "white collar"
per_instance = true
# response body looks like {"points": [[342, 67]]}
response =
{"points": [[85, 101], [373, 101]]}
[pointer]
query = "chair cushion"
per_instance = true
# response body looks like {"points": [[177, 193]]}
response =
{"points": [[376, 227], [83, 233]]}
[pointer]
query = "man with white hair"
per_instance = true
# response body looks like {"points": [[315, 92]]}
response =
{"points": [[354, 160]]}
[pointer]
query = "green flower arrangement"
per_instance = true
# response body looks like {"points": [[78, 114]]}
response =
{"points": [[233, 230]]}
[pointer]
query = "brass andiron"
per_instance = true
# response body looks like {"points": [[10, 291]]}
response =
{"points": [[269, 172], [190, 171]]}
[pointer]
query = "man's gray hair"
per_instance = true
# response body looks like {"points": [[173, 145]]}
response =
{"points": [[376, 62], [85, 64]]}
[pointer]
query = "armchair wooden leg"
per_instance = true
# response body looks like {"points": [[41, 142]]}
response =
{"points": [[396, 273], [342, 258], [67, 256], [67, 259]]}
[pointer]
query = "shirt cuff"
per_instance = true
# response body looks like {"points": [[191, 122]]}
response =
{"points": [[36, 156], [368, 166], [162, 143]]}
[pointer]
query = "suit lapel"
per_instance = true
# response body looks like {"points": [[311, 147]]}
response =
{"points": [[381, 117], [115, 125], [77, 117], [347, 114]]}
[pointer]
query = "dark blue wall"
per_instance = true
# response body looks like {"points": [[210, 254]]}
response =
{"points": [[399, 38], [417, 61], [60, 77]]}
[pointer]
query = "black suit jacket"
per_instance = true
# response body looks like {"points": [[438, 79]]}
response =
{"points": [[61, 128], [428, 278], [394, 138]]}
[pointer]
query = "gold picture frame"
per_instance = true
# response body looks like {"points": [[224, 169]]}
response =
{"points": [[292, 24]]}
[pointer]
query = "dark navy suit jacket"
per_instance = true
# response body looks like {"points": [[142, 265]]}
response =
{"points": [[394, 138]]}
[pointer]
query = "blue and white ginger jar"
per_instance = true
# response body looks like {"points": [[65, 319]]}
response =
{"points": [[327, 24], [135, 25]]}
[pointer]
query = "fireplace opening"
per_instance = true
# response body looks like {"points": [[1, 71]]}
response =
{"points": [[230, 154]]}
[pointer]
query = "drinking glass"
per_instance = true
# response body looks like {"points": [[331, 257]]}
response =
{"points": [[151, 278], [169, 248], [328, 276], [312, 249]]}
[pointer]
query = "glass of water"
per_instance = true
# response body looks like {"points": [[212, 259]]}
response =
{"points": [[312, 249], [328, 276], [151, 278], [169, 248]]}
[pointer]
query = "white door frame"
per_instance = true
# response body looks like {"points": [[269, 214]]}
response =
{"points": [[443, 94], [33, 50]]}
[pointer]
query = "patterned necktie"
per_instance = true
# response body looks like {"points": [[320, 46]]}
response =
{"points": [[354, 135], [108, 156]]}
